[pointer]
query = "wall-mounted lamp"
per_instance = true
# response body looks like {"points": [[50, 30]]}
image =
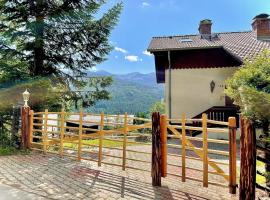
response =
{"points": [[212, 86], [26, 96]]}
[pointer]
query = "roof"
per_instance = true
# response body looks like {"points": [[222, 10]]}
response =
{"points": [[243, 45]]}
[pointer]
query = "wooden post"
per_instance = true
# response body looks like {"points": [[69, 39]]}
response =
{"points": [[125, 143], [163, 128], [30, 139], [62, 132], [232, 152], [156, 150], [80, 136], [25, 127], [248, 160], [205, 151], [183, 148], [45, 133], [101, 133]]}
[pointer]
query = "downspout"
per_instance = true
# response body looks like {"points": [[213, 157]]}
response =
{"points": [[170, 85]]}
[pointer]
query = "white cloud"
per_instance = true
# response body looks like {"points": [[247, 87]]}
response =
{"points": [[145, 4], [93, 69], [132, 58], [147, 53], [120, 50]]}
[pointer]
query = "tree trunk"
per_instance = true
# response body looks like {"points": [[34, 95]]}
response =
{"points": [[39, 40], [248, 160]]}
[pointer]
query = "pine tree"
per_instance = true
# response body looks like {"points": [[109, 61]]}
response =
{"points": [[59, 39]]}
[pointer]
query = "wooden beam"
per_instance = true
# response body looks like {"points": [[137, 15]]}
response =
{"points": [[232, 152], [80, 135], [45, 133], [101, 133], [164, 150], [183, 148], [205, 151], [62, 132], [125, 142]]}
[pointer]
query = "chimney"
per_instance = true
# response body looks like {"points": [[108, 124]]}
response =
{"points": [[261, 26], [205, 27]]}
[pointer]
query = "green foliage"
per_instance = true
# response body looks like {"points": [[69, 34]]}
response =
{"points": [[158, 107], [250, 88], [43, 95], [60, 33]]}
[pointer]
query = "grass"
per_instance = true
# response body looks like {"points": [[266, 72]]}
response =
{"points": [[260, 166], [7, 151]]}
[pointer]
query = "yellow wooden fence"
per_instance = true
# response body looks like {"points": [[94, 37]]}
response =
{"points": [[50, 133], [178, 129]]}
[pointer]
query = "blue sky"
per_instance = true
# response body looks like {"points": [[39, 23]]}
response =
{"points": [[142, 19]]}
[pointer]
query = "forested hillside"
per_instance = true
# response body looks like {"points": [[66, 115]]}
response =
{"points": [[132, 93]]}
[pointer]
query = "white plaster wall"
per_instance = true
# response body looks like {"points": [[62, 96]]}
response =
{"points": [[191, 89]]}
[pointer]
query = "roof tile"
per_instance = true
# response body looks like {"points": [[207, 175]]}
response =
{"points": [[243, 45]]}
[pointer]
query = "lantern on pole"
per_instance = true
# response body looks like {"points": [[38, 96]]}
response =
{"points": [[26, 96]]}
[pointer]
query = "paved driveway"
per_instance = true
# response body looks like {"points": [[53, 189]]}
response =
{"points": [[36, 176]]}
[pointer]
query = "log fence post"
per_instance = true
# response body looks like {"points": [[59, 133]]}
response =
{"points": [[232, 155], [156, 150], [25, 127], [248, 160]]}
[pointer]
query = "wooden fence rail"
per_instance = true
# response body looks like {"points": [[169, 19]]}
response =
{"points": [[85, 136]]}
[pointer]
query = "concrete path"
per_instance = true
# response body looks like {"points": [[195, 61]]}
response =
{"points": [[36, 176], [12, 193]]}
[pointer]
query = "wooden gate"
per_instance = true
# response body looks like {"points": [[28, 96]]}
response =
{"points": [[106, 139], [198, 150], [125, 141]]}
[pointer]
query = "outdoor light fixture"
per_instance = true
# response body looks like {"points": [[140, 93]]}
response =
{"points": [[26, 96], [212, 86]]}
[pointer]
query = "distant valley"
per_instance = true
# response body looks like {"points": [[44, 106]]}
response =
{"points": [[134, 92]]}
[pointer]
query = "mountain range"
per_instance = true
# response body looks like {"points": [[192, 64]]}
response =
{"points": [[132, 93]]}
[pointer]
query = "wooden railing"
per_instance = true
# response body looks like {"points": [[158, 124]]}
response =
{"points": [[50, 133], [219, 113], [186, 143]]}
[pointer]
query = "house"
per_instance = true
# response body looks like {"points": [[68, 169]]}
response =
{"points": [[194, 67]]}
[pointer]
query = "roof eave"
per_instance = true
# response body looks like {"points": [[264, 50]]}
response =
{"points": [[183, 49]]}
